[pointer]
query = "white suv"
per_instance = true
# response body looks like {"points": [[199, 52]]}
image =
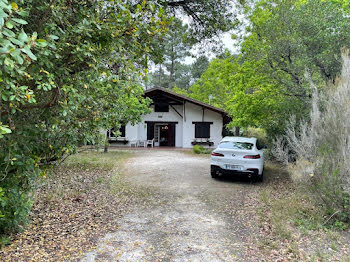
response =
{"points": [[238, 155]]}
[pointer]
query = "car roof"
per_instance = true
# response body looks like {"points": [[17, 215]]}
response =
{"points": [[239, 139]]}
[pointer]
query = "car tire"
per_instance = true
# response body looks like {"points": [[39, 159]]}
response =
{"points": [[213, 173], [256, 177]]}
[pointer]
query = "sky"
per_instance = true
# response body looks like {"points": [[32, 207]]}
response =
{"points": [[227, 41]]}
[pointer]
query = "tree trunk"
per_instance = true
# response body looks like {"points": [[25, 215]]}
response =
{"points": [[106, 145], [237, 129], [160, 73], [172, 68]]}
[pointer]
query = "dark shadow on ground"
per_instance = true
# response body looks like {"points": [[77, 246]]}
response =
{"points": [[273, 173]]}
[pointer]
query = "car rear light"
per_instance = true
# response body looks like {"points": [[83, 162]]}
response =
{"points": [[252, 156], [216, 154]]}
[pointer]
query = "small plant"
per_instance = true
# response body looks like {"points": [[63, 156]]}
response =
{"points": [[4, 240], [197, 149], [201, 150]]}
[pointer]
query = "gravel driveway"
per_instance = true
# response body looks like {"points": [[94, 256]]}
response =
{"points": [[189, 216]]}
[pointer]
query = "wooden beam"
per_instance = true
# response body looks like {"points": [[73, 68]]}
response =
{"points": [[162, 122], [176, 111]]}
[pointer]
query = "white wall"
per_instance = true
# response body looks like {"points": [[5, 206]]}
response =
{"points": [[170, 116], [185, 130], [194, 113], [131, 132]]}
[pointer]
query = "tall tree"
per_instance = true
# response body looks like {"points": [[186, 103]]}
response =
{"points": [[285, 50], [214, 84], [175, 47], [289, 45], [183, 76], [199, 67], [298, 38], [207, 18]]}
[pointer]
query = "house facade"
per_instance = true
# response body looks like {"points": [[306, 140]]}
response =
{"points": [[175, 121]]}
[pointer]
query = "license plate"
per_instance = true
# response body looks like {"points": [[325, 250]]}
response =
{"points": [[233, 167]]}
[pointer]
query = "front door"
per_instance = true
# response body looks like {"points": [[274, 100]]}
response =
{"points": [[164, 135], [167, 135]]}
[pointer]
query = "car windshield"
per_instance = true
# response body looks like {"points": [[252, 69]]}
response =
{"points": [[236, 145]]}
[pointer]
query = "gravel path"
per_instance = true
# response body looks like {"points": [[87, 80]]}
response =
{"points": [[189, 217]]}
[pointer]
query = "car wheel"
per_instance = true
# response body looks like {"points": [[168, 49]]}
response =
{"points": [[213, 172], [256, 177]]}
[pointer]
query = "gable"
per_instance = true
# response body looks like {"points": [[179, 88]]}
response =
{"points": [[164, 96]]}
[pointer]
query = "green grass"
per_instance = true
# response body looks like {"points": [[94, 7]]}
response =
{"points": [[96, 159]]}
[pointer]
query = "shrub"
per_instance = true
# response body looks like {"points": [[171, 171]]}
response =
{"points": [[263, 141], [259, 133], [201, 150], [318, 151], [197, 149]]}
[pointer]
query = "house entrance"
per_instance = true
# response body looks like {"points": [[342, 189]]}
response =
{"points": [[163, 133]]}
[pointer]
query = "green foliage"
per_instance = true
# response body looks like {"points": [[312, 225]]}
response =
{"points": [[197, 149], [175, 49], [317, 150], [183, 74], [4, 240], [4, 130], [68, 72], [214, 83], [199, 67], [285, 51], [207, 18], [15, 54], [201, 150]]}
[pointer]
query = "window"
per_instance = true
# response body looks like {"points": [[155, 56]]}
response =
{"points": [[161, 108], [236, 145], [122, 131], [202, 129]]}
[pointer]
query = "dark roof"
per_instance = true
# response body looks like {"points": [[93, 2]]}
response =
{"points": [[153, 92]]}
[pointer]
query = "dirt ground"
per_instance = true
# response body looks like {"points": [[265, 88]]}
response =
{"points": [[189, 216]]}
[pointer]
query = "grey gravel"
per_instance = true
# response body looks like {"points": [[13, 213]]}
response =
{"points": [[188, 217]]}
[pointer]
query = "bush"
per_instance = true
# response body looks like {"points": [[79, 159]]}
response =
{"points": [[201, 150], [318, 152], [259, 133], [263, 141], [15, 193]]}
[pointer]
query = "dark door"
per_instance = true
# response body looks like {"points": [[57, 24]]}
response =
{"points": [[164, 135], [150, 131], [171, 134]]}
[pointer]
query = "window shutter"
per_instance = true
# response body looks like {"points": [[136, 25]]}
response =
{"points": [[202, 130]]}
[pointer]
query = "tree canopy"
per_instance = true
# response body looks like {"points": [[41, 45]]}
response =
{"points": [[289, 47], [71, 69]]}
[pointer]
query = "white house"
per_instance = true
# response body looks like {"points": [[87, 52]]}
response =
{"points": [[175, 121]]}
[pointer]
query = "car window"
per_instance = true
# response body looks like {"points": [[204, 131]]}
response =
{"points": [[236, 145]]}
